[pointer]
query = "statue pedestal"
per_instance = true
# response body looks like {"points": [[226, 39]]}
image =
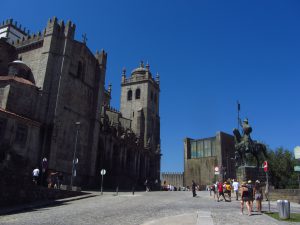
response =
{"points": [[245, 173]]}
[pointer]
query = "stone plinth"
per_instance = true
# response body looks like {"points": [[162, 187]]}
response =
{"points": [[245, 173]]}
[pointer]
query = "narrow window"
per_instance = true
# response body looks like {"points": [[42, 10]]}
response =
{"points": [[138, 93], [129, 95]]}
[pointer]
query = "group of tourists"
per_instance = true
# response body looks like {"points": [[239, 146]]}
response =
{"points": [[221, 189], [247, 190], [249, 193], [54, 179]]}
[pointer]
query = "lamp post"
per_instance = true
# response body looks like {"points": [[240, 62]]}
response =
{"points": [[74, 155]]}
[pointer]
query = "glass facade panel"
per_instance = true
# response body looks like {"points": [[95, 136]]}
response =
{"points": [[213, 148], [193, 149], [200, 148], [207, 148], [203, 148]]}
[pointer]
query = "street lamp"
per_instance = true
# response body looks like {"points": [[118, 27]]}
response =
{"points": [[74, 155]]}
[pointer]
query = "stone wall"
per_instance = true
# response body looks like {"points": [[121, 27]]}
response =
{"points": [[201, 171], [22, 134], [292, 195], [22, 98], [7, 55], [174, 179], [33, 58]]}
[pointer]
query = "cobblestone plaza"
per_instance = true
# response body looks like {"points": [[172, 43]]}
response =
{"points": [[141, 208]]}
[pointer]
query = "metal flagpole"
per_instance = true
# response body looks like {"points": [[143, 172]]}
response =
{"points": [[238, 119]]}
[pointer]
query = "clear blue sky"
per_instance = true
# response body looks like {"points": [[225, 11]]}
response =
{"points": [[209, 55]]}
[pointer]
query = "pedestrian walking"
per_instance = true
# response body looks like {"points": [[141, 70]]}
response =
{"points": [[213, 189], [251, 193], [228, 190], [194, 185], [35, 175], [236, 186], [258, 195], [220, 191], [245, 199], [147, 185]]}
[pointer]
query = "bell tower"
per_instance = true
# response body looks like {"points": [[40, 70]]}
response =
{"points": [[140, 103]]}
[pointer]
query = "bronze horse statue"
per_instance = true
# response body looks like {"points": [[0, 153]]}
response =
{"points": [[243, 150]]}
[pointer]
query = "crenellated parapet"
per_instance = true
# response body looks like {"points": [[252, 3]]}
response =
{"points": [[59, 28], [101, 58], [30, 41], [15, 25], [54, 28]]}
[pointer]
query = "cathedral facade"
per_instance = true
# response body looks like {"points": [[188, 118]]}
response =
{"points": [[54, 105]]}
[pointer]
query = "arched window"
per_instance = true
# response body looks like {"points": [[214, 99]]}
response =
{"points": [[129, 95], [138, 93]]}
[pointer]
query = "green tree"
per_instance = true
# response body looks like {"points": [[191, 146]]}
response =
{"points": [[281, 168]]}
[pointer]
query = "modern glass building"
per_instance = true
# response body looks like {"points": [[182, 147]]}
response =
{"points": [[202, 156]]}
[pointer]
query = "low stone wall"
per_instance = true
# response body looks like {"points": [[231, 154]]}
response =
{"points": [[293, 195], [25, 196]]}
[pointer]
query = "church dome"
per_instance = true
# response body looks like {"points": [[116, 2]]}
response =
{"points": [[19, 69], [141, 70]]}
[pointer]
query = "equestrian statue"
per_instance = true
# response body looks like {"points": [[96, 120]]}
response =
{"points": [[245, 146]]}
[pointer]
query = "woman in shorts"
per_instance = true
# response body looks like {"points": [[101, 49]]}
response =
{"points": [[245, 198], [258, 195]]}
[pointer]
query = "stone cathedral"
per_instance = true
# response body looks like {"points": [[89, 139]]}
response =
{"points": [[54, 106]]}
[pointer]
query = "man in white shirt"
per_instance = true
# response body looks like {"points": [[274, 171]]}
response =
{"points": [[35, 175], [236, 186]]}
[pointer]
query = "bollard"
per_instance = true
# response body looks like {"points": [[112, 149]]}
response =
{"points": [[283, 209]]}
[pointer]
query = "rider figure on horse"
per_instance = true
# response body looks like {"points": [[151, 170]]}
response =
{"points": [[246, 139], [245, 146]]}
